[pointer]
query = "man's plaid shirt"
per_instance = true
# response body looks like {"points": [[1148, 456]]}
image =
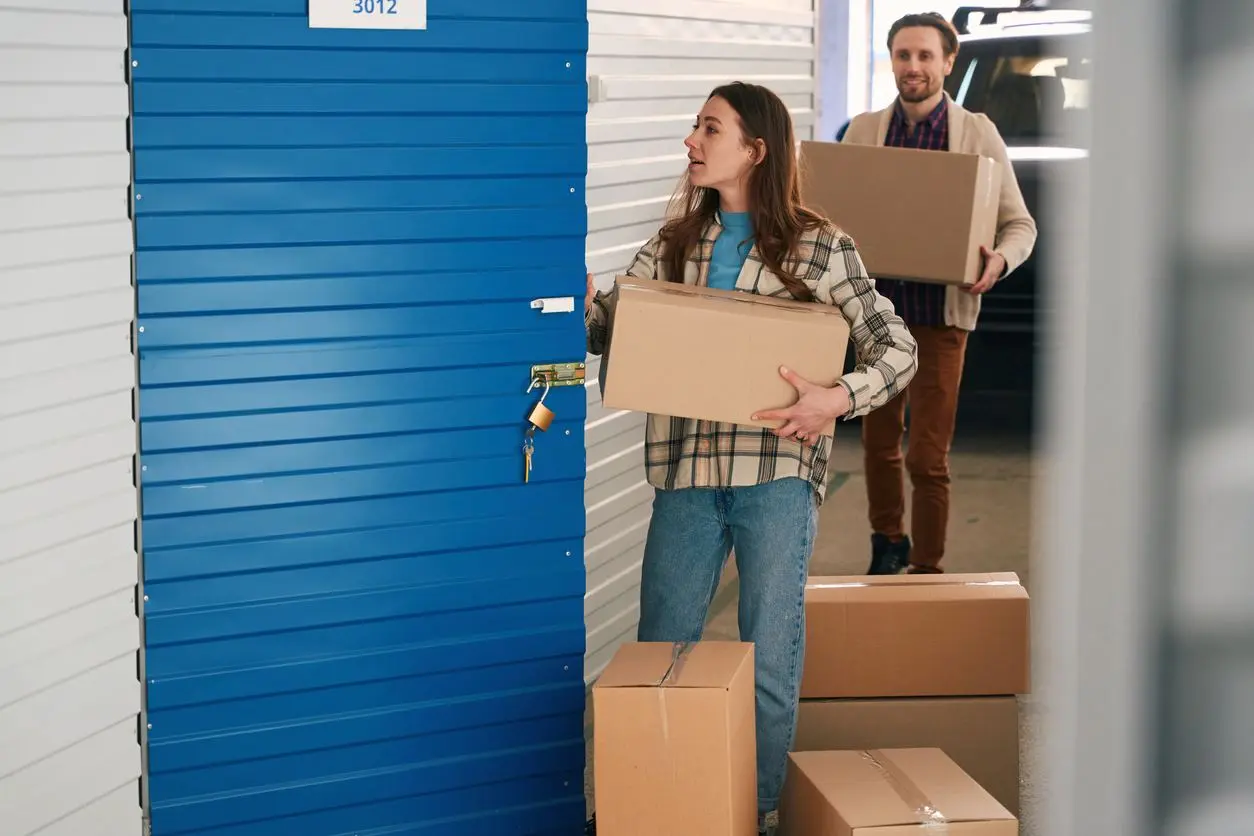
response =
{"points": [[687, 453]]}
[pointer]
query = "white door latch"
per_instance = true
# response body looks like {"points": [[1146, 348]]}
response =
{"points": [[554, 304]]}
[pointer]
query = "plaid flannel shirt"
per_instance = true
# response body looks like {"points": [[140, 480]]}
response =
{"points": [[690, 453]]}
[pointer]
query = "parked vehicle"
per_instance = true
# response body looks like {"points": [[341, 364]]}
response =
{"points": [[1028, 68]]}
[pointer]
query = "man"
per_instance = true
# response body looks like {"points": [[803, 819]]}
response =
{"points": [[923, 49]]}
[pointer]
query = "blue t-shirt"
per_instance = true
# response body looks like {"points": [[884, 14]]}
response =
{"points": [[731, 249]]}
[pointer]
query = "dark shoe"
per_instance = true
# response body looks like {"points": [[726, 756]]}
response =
{"points": [[590, 827], [887, 557], [916, 569]]}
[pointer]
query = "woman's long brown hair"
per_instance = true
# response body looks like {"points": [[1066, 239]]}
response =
{"points": [[779, 219]]}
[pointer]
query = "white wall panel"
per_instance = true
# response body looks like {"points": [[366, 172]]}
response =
{"points": [[654, 62], [69, 636]]}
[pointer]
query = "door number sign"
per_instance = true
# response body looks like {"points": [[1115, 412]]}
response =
{"points": [[368, 14]]}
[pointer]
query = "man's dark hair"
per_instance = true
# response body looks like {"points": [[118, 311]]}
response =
{"points": [[932, 20]]}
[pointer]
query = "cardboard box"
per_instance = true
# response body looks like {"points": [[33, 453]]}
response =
{"points": [[675, 748], [715, 355], [981, 734], [916, 636], [886, 792], [918, 215]]}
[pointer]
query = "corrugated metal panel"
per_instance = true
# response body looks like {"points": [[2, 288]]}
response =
{"points": [[69, 635], [658, 60], [359, 619]]}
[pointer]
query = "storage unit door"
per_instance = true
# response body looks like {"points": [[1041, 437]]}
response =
{"points": [[358, 617]]}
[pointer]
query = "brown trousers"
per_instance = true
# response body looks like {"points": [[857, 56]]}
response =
{"points": [[933, 399]]}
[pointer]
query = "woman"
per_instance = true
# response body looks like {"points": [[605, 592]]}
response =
{"points": [[739, 223]]}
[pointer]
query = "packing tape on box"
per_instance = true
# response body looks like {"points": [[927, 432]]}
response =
{"points": [[899, 584], [787, 304], [925, 812], [679, 654]]}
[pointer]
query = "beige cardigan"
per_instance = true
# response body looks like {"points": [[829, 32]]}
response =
{"points": [[969, 133]]}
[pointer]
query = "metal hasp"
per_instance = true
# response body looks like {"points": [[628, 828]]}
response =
{"points": [[559, 374]]}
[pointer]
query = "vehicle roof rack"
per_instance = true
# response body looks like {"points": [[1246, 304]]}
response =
{"points": [[989, 14]]}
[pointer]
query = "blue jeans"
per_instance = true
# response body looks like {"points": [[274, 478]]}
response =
{"points": [[772, 528]]}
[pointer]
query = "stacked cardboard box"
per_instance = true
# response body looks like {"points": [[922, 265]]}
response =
{"points": [[887, 791], [919, 661], [675, 749]]}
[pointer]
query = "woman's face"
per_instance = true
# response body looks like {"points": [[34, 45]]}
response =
{"points": [[718, 157]]}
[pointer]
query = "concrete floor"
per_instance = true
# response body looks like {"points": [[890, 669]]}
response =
{"points": [[989, 531]]}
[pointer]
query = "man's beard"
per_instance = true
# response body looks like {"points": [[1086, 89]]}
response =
{"points": [[917, 94]]}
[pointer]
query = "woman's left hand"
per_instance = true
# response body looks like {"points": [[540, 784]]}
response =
{"points": [[816, 407]]}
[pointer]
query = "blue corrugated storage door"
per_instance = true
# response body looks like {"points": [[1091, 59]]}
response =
{"points": [[358, 619]]}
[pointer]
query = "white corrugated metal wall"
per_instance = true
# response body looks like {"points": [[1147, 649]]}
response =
{"points": [[654, 62], [69, 635]]}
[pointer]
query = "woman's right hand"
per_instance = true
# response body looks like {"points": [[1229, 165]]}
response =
{"points": [[590, 296]]}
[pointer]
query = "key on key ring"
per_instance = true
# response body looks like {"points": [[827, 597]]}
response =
{"points": [[529, 447]]}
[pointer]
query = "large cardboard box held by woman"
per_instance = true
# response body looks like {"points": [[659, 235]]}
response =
{"points": [[715, 355]]}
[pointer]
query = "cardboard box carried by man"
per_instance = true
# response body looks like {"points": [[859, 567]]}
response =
{"points": [[886, 198]]}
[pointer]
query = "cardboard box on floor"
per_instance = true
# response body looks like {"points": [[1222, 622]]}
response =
{"points": [[715, 355], [675, 752], [886, 792], [916, 636], [886, 199], [980, 734]]}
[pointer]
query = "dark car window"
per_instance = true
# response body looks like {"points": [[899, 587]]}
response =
{"points": [[1031, 88]]}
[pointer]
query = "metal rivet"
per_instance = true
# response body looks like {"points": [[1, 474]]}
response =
{"points": [[565, 667], [150, 725], [139, 197], [568, 554], [144, 468], [568, 65], [145, 597], [141, 329], [572, 189], [136, 64]]}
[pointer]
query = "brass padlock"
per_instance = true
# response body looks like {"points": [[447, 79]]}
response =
{"points": [[541, 417]]}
